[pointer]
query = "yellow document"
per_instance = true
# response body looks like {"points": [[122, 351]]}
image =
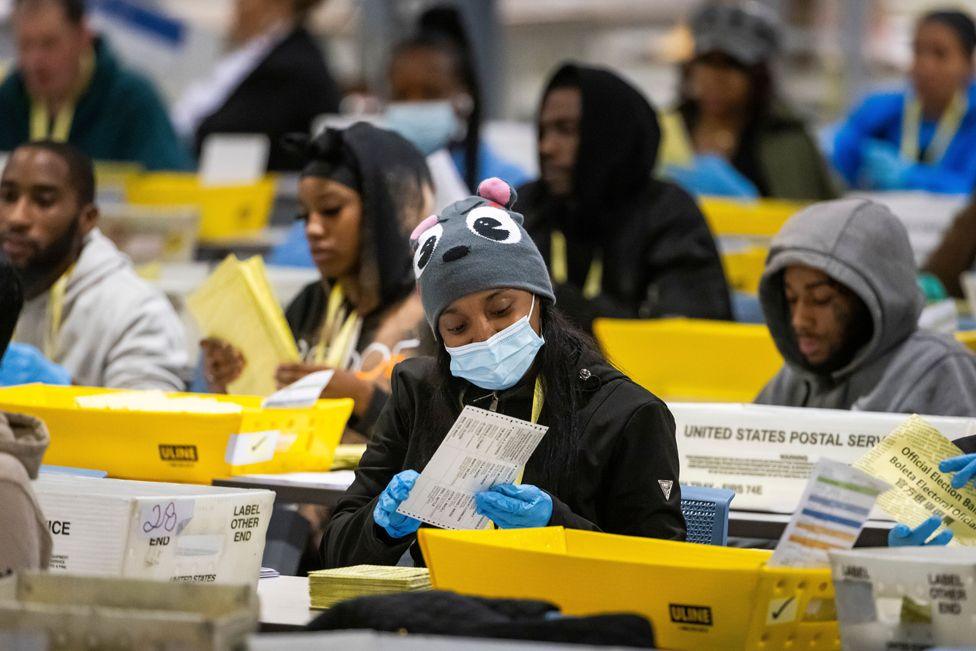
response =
{"points": [[236, 304], [908, 459]]}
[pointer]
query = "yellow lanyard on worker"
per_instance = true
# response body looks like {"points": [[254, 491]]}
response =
{"points": [[559, 266], [55, 313], [44, 126], [340, 332], [538, 400], [945, 129]]}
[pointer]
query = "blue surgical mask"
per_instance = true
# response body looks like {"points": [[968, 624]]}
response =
{"points": [[500, 361], [428, 125]]}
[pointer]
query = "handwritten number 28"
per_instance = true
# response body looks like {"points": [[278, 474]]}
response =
{"points": [[161, 518]]}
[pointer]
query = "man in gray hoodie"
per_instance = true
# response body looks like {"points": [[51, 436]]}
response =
{"points": [[841, 301], [88, 318]]}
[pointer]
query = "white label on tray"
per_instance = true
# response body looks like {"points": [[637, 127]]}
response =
{"points": [[252, 447], [200, 545], [165, 517]]}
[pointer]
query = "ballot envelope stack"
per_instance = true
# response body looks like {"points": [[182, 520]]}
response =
{"points": [[329, 587]]}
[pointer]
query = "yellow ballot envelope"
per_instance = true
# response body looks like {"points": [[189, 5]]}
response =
{"points": [[696, 596], [236, 304], [908, 459]]}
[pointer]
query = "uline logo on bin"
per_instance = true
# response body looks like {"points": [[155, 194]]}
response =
{"points": [[180, 453], [684, 614]]}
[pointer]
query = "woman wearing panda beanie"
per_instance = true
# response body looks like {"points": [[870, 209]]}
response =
{"points": [[609, 461]]}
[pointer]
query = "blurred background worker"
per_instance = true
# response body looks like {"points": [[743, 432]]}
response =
{"points": [[435, 98], [732, 133], [922, 138], [25, 543], [273, 80], [69, 86], [617, 241]]}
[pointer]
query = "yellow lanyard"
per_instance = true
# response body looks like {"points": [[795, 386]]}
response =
{"points": [[55, 313], [945, 130], [58, 128], [560, 267], [340, 332], [41, 127], [538, 400]]}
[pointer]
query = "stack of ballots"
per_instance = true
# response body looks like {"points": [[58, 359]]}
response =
{"points": [[329, 587]]}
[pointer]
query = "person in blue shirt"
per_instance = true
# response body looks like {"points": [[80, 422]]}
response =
{"points": [[924, 137]]}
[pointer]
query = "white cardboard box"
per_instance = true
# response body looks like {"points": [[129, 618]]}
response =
{"points": [[905, 598], [150, 530]]}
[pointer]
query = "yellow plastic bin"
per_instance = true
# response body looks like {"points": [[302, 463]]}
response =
{"points": [[692, 360], [755, 218], [744, 268], [226, 211], [696, 596], [967, 338], [187, 447]]}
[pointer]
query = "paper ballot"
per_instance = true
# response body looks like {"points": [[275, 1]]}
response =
{"points": [[483, 449], [236, 304], [303, 393], [908, 459], [834, 508]]}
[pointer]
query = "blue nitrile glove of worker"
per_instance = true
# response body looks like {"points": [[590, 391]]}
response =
{"points": [[23, 364], [963, 467], [882, 166], [515, 507], [901, 535], [385, 514], [712, 175]]}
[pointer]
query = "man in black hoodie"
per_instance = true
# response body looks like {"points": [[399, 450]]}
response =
{"points": [[618, 242]]}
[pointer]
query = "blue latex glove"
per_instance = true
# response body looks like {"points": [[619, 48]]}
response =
{"points": [[964, 467], [882, 168], [903, 536], [23, 364], [385, 514], [713, 175], [515, 507]]}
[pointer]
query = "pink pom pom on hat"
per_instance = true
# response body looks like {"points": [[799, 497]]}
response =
{"points": [[423, 226], [497, 191]]}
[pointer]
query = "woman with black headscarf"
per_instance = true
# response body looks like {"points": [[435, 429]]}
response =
{"points": [[618, 242], [923, 137], [362, 191]]}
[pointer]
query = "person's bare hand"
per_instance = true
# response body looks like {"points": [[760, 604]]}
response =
{"points": [[222, 364]]}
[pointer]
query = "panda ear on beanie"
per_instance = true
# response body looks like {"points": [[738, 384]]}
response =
{"points": [[498, 191]]}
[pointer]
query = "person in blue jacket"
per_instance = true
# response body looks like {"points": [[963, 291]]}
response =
{"points": [[924, 137]]}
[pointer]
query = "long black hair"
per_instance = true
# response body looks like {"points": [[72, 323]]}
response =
{"points": [[558, 367], [442, 29]]}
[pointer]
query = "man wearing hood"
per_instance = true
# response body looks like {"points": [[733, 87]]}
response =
{"points": [[841, 300], [24, 539], [88, 318], [618, 242]]}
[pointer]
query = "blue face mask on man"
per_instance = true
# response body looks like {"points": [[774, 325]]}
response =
{"points": [[500, 361], [428, 125]]}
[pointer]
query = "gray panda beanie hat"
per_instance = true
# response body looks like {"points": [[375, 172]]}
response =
{"points": [[474, 245]]}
